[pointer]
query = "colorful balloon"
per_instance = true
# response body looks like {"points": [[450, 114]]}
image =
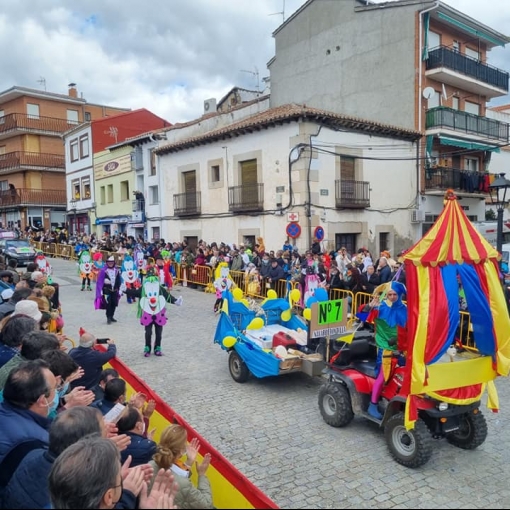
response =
{"points": [[271, 294], [286, 315], [229, 342], [237, 293], [307, 314], [321, 294], [256, 323], [245, 302], [295, 295]]}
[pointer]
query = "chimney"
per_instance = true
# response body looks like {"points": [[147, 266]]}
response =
{"points": [[73, 92]]}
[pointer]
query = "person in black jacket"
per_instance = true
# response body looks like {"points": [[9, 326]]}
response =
{"points": [[275, 274], [91, 360], [369, 280], [141, 448]]}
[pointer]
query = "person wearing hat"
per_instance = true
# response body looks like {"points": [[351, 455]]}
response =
{"points": [[107, 289], [6, 277], [28, 308], [389, 317]]}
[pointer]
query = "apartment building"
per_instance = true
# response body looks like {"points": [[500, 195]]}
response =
{"points": [[100, 183], [32, 160], [416, 64]]}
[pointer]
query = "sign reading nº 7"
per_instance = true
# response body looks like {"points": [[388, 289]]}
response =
{"points": [[330, 312]]}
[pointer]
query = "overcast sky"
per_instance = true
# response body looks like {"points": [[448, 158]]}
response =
{"points": [[164, 55]]}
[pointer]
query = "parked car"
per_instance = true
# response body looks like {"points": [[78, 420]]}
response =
{"points": [[18, 249]]}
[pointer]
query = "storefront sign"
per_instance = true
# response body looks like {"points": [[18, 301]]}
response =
{"points": [[114, 166]]}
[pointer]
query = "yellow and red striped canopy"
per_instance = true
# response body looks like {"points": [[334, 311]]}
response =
{"points": [[452, 239]]}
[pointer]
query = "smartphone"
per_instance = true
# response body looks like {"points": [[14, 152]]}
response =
{"points": [[102, 340], [115, 413]]}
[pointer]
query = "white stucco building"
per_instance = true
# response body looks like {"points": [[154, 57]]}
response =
{"points": [[253, 177]]}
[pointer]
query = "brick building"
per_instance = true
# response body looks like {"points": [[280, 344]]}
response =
{"points": [[32, 156]]}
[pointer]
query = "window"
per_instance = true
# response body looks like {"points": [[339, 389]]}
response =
{"points": [[215, 173], [153, 163], [2, 115], [76, 189], [75, 156], [2, 149], [87, 117], [471, 164], [72, 116], [472, 53], [384, 241], [84, 146], [138, 158], [455, 103], [4, 185], [85, 188], [124, 191], [470, 107], [456, 46], [155, 233], [110, 193], [154, 195], [102, 192], [434, 101], [434, 40], [33, 111]]}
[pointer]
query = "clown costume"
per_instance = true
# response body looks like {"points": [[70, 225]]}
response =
{"points": [[85, 269]]}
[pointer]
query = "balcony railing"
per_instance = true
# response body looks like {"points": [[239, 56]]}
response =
{"points": [[468, 181], [34, 123], [27, 197], [187, 204], [448, 118], [469, 66], [246, 198], [31, 160], [352, 194], [138, 205]]}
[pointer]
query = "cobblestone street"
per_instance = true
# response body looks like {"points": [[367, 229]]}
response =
{"points": [[271, 429]]}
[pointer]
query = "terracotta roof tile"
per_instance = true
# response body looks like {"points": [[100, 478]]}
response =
{"points": [[289, 113]]}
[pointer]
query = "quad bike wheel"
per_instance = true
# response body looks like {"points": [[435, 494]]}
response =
{"points": [[335, 404], [238, 369], [471, 433], [411, 448]]}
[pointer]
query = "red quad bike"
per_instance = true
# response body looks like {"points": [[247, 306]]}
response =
{"points": [[351, 376]]}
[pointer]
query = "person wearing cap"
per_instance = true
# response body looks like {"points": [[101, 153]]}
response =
{"points": [[6, 277], [108, 288]]}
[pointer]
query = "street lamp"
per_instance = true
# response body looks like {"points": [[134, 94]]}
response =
{"points": [[72, 203], [497, 190]]}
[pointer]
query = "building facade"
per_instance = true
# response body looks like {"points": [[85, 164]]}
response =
{"points": [[291, 165], [417, 64], [32, 156], [87, 160]]}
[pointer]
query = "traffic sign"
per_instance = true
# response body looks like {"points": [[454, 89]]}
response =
{"points": [[319, 233], [293, 230]]}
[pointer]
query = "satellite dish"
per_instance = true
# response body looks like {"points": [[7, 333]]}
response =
{"points": [[428, 92]]}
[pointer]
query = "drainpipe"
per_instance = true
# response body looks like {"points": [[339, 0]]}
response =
{"points": [[420, 86]]}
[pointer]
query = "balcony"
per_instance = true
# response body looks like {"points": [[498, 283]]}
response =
{"points": [[246, 198], [22, 197], [442, 119], [138, 205], [352, 194], [18, 123], [440, 178], [13, 161], [188, 204], [448, 66]]}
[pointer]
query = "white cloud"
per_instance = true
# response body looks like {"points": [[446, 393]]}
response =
{"points": [[167, 56]]}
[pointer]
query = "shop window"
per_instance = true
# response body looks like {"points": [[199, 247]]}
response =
{"points": [[124, 191]]}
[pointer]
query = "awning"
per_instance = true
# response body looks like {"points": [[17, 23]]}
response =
{"points": [[468, 145]]}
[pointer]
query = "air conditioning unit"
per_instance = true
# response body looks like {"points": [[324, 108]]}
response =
{"points": [[417, 216], [210, 105]]}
